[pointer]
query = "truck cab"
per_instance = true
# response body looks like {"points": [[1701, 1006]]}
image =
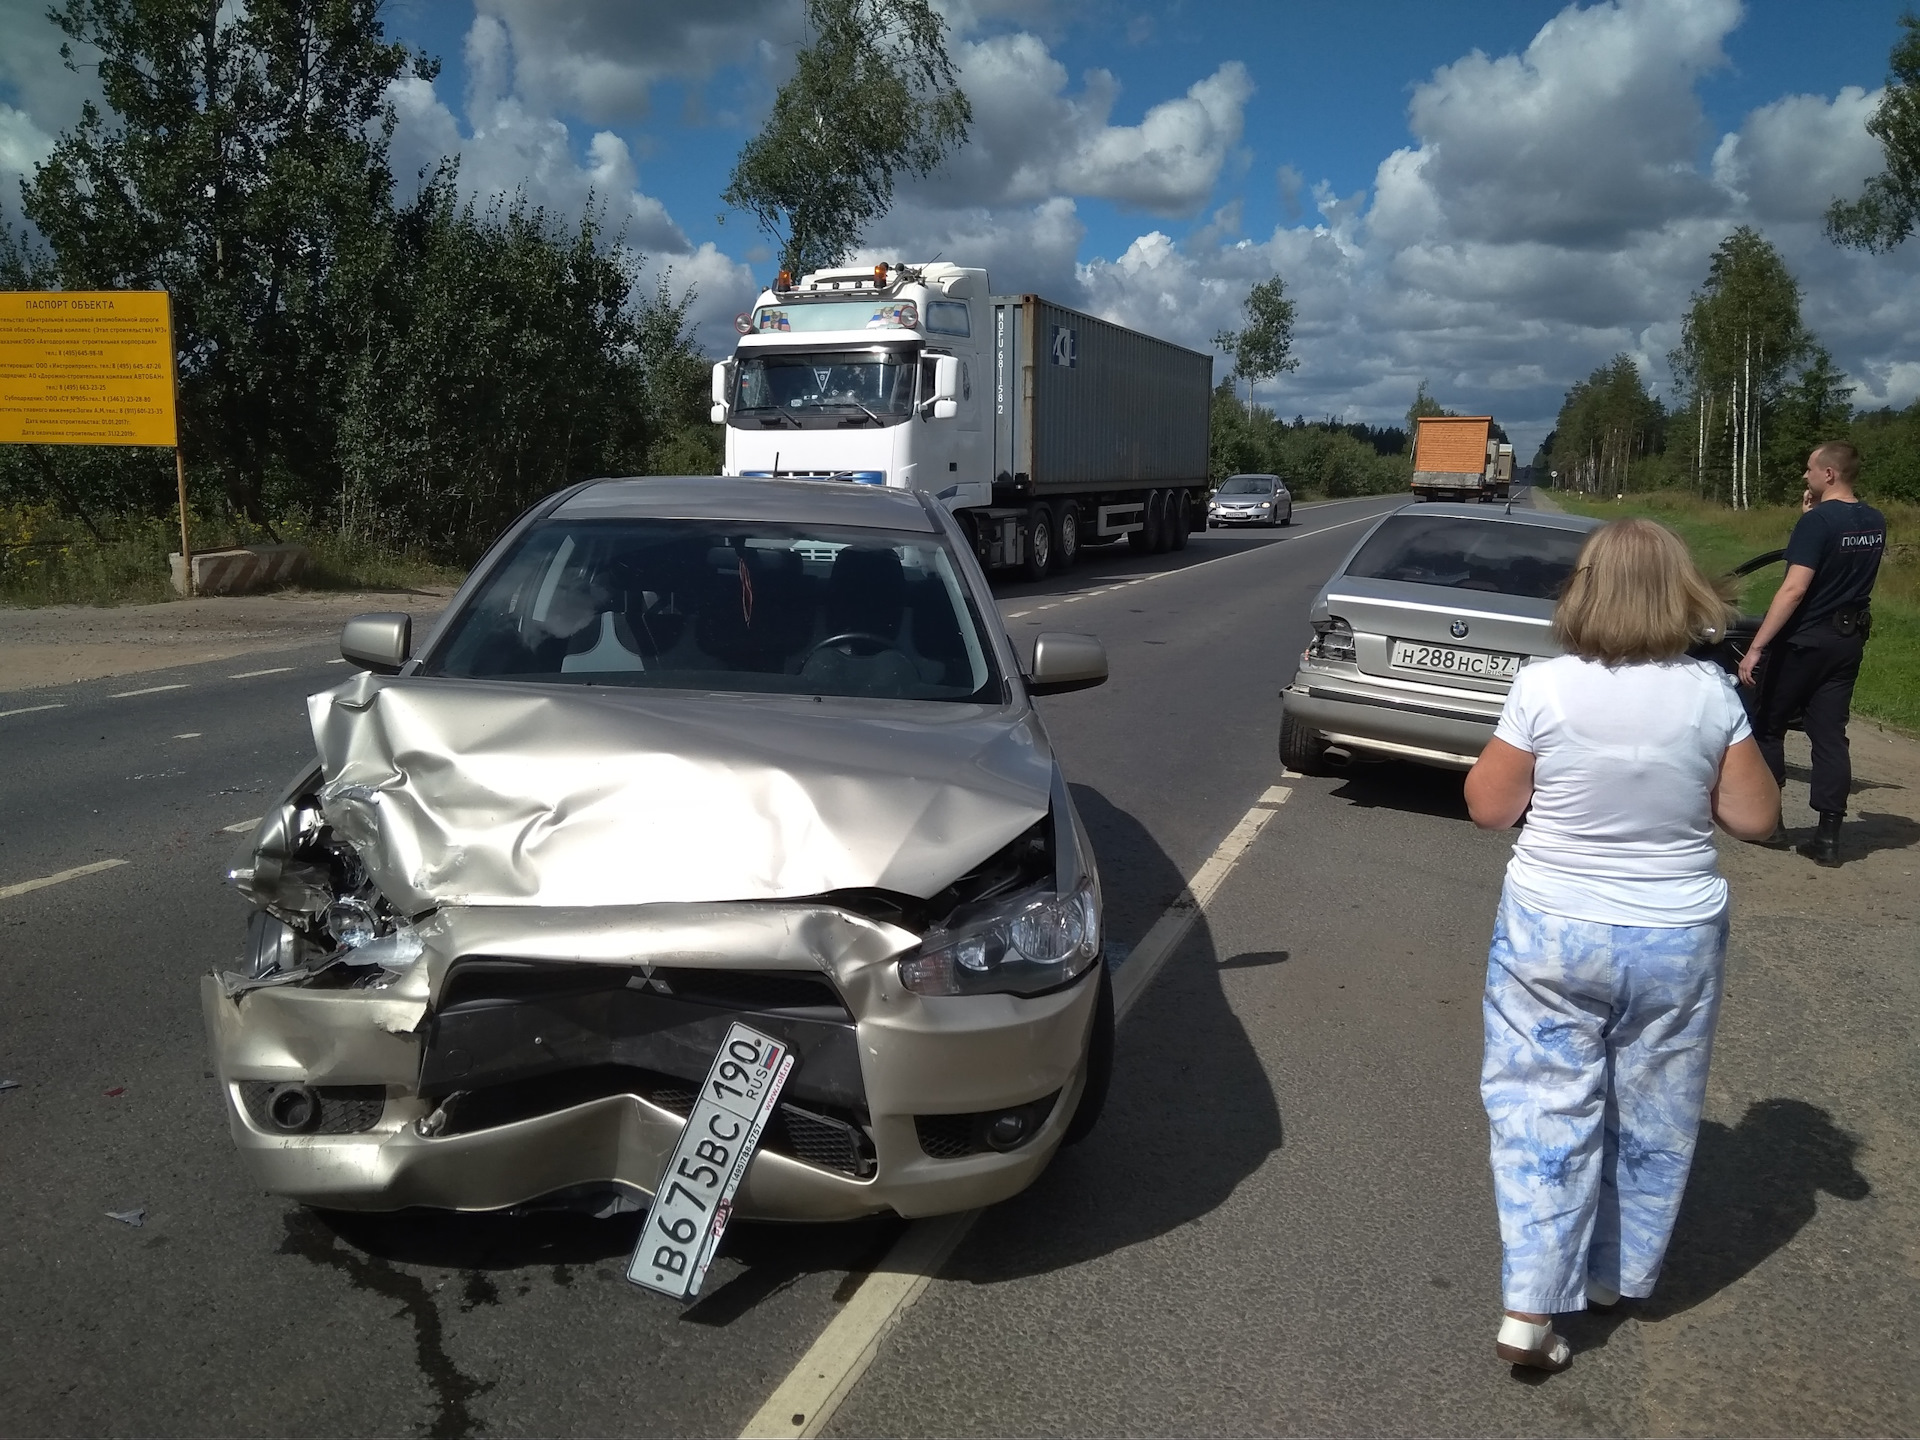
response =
{"points": [[874, 375]]}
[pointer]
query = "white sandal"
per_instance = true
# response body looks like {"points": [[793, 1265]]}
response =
{"points": [[1522, 1342]]}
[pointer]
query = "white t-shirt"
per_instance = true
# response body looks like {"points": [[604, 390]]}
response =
{"points": [[1624, 763]]}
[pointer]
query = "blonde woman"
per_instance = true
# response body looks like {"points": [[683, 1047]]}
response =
{"points": [[1603, 980]]}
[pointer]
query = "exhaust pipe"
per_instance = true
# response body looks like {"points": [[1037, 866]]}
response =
{"points": [[1337, 755]]}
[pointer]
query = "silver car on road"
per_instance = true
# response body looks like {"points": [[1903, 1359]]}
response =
{"points": [[1418, 634], [682, 753]]}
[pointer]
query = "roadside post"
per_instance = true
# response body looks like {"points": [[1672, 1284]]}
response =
{"points": [[92, 367]]}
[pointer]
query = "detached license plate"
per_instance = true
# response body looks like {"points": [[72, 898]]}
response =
{"points": [[1450, 660], [694, 1197]]}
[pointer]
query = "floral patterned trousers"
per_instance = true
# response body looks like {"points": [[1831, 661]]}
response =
{"points": [[1597, 1043]]}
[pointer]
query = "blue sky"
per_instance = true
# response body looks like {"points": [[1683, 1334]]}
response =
{"points": [[1495, 196]]}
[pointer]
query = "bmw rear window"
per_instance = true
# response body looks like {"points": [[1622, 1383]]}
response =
{"points": [[1502, 557]]}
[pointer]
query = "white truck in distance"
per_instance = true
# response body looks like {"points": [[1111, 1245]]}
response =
{"points": [[1040, 428]]}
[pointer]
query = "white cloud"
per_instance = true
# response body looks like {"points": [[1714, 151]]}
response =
{"points": [[509, 148], [1032, 140], [23, 145], [1793, 158], [1553, 211], [601, 59]]}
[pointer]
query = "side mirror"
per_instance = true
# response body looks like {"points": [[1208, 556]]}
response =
{"points": [[1063, 662], [946, 387], [722, 382], [380, 642]]}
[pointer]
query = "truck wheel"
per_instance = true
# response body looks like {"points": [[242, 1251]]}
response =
{"points": [[1300, 748], [1039, 546], [1159, 524], [1066, 540], [1140, 541], [1179, 519]]}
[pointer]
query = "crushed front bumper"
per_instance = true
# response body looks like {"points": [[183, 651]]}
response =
{"points": [[573, 1065]]}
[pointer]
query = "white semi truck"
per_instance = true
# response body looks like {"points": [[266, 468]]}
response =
{"points": [[1042, 429]]}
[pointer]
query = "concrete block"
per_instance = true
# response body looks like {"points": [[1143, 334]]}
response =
{"points": [[242, 571]]}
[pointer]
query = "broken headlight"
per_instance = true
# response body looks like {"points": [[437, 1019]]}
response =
{"points": [[1332, 640], [1023, 944]]}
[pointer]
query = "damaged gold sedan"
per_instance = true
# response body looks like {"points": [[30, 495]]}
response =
{"points": [[682, 752]]}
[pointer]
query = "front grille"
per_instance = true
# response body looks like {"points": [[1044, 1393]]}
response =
{"points": [[831, 1142], [488, 980], [502, 1022], [344, 1109]]}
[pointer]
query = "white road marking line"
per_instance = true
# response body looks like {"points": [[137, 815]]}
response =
{"points": [[803, 1403], [31, 709], [7, 892], [336, 662], [1015, 614], [188, 735], [150, 690], [239, 825], [249, 674]]}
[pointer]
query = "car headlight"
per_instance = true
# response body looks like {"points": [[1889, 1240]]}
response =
{"points": [[1026, 944]]}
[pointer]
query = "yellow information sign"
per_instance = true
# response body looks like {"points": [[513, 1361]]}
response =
{"points": [[86, 368]]}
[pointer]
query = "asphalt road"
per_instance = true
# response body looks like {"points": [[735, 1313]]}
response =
{"points": [[1283, 1223]]}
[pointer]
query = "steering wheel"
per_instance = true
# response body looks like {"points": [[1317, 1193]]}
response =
{"points": [[879, 643]]}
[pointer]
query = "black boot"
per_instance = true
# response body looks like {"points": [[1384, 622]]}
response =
{"points": [[1824, 847]]}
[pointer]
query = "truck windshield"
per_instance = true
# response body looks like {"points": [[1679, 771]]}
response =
{"points": [[725, 605], [830, 387], [1501, 556]]}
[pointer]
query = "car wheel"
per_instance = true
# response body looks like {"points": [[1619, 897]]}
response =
{"points": [[1300, 748], [1066, 537], [1179, 519], [1289, 519], [1093, 1095], [1039, 546]]}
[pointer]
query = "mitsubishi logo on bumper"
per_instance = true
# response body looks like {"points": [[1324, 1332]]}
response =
{"points": [[1458, 629]]}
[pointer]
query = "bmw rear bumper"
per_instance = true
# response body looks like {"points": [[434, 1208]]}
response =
{"points": [[1426, 724]]}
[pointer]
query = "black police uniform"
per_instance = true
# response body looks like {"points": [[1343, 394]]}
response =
{"points": [[1812, 664]]}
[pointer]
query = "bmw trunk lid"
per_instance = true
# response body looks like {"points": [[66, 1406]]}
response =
{"points": [[1383, 611]]}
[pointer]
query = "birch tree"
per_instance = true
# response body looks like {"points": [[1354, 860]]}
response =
{"points": [[1741, 338]]}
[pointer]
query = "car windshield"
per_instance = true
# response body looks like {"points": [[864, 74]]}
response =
{"points": [[722, 605], [1246, 485], [838, 387], [1501, 556]]}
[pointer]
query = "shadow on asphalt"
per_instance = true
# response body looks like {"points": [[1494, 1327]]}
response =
{"points": [[771, 1256], [1191, 1113], [1397, 785], [1754, 1186]]}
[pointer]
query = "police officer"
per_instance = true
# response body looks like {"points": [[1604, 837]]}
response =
{"points": [[1819, 619]]}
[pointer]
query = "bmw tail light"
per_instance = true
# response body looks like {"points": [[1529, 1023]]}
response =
{"points": [[1332, 640]]}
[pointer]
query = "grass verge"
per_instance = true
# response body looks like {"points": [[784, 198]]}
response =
{"points": [[47, 559], [1889, 686]]}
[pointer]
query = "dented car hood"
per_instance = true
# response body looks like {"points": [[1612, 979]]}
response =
{"points": [[459, 792]]}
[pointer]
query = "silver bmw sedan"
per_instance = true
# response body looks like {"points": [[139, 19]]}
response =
{"points": [[1418, 634], [683, 755]]}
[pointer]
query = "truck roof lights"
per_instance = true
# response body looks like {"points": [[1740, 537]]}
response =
{"points": [[783, 281], [880, 273]]}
